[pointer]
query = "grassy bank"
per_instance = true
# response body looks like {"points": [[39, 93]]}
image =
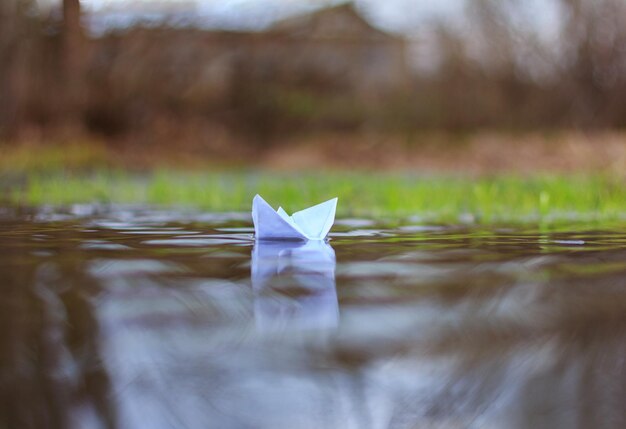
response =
{"points": [[434, 198]]}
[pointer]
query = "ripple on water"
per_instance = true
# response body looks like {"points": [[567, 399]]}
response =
{"points": [[159, 231], [248, 229], [360, 233], [197, 242], [102, 245], [125, 267]]}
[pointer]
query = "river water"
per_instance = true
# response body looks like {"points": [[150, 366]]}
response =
{"points": [[130, 317]]}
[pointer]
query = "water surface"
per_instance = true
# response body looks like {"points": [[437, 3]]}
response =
{"points": [[137, 318]]}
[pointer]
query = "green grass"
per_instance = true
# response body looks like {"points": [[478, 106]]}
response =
{"points": [[441, 199]]}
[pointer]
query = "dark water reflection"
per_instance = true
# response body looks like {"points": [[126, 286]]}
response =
{"points": [[134, 318]]}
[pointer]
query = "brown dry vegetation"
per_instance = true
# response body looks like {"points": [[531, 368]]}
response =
{"points": [[477, 153], [484, 152]]}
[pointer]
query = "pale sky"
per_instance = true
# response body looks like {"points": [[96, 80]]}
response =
{"points": [[392, 15]]}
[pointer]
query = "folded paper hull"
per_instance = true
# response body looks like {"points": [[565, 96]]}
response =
{"points": [[313, 223]]}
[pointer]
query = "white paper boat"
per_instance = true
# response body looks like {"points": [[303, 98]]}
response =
{"points": [[313, 223]]}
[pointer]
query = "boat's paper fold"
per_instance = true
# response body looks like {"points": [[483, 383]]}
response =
{"points": [[313, 223], [316, 221]]}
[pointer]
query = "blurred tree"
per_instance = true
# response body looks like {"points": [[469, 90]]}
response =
{"points": [[594, 38], [73, 63], [500, 66], [9, 66]]}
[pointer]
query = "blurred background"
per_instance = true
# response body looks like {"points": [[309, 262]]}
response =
{"points": [[477, 84]]}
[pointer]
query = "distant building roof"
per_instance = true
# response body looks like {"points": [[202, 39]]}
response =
{"points": [[337, 22]]}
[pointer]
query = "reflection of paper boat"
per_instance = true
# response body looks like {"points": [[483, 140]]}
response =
{"points": [[309, 224], [308, 266]]}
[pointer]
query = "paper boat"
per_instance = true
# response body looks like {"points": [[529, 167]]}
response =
{"points": [[309, 224]]}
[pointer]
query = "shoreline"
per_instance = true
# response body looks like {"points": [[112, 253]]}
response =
{"points": [[480, 154]]}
